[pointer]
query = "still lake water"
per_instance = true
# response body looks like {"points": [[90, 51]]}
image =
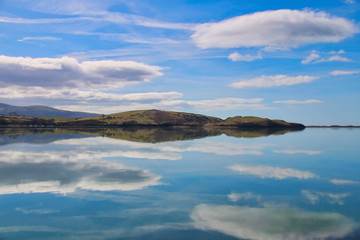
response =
{"points": [[143, 184]]}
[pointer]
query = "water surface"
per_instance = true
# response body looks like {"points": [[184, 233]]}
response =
{"points": [[179, 184]]}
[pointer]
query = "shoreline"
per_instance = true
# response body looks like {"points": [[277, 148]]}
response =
{"points": [[332, 126]]}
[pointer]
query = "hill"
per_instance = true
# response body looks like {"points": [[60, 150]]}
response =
{"points": [[41, 111], [168, 118], [148, 118], [152, 118]]}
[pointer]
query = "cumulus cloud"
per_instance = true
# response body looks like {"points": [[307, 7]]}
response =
{"points": [[271, 223], [235, 57], [309, 101], [315, 57], [274, 28], [343, 182], [271, 172], [273, 81], [340, 72], [68, 72]]}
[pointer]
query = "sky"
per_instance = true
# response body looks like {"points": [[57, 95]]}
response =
{"points": [[291, 60]]}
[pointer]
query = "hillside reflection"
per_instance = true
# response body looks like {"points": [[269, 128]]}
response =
{"points": [[145, 135]]}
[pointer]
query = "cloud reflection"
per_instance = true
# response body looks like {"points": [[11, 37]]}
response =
{"points": [[343, 182], [333, 198], [297, 151], [234, 197], [168, 151], [271, 223], [60, 177], [271, 172]]}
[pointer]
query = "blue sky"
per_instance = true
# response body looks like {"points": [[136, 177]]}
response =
{"points": [[292, 60]]}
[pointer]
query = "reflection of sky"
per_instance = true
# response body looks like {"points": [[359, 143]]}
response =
{"points": [[271, 223], [111, 188]]}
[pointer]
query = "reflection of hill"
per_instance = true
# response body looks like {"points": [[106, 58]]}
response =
{"points": [[152, 135], [135, 134], [36, 136], [253, 133]]}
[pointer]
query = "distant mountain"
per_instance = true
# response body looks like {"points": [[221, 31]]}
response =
{"points": [[41, 111]]}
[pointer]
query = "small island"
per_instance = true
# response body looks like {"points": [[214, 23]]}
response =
{"points": [[149, 118]]}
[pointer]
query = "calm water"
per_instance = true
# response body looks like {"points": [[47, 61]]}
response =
{"points": [[162, 184]]}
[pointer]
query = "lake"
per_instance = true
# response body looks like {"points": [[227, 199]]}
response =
{"points": [[179, 184]]}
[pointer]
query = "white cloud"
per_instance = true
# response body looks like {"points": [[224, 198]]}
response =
{"points": [[332, 198], [315, 57], [288, 28], [271, 223], [309, 101], [24, 39], [349, 1], [273, 81], [297, 151], [339, 72], [271, 172], [18, 92], [343, 182], [338, 58], [68, 72], [235, 56]]}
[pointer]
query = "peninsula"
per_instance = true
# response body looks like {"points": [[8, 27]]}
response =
{"points": [[149, 118]]}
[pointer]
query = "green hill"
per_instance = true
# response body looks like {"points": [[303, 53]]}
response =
{"points": [[151, 118]]}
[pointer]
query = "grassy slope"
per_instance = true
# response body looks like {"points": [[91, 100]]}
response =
{"points": [[150, 118]]}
